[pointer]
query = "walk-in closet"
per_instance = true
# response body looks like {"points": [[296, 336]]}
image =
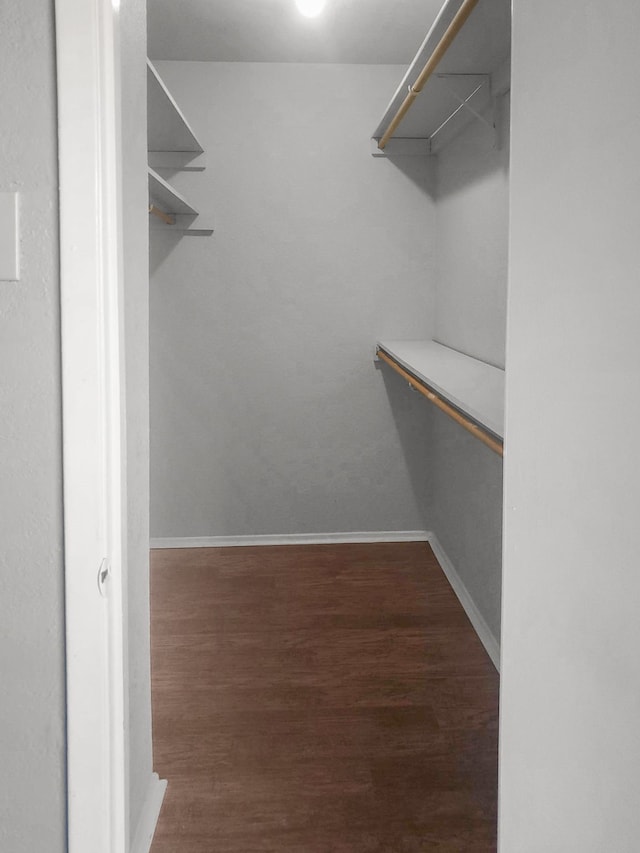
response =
{"points": [[319, 335], [331, 246], [328, 301]]}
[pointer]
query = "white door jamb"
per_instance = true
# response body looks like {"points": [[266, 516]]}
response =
{"points": [[93, 417]]}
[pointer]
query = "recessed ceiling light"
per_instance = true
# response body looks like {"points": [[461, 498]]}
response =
{"points": [[310, 8]]}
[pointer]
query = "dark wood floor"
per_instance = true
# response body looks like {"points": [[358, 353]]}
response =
{"points": [[321, 699]]}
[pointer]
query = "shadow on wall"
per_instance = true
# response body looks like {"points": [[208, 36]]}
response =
{"points": [[419, 170], [467, 512], [414, 427], [475, 153], [161, 245]]}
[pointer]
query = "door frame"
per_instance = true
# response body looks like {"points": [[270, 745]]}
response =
{"points": [[93, 404]]}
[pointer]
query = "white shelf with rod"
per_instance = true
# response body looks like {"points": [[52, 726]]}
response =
{"points": [[170, 211], [169, 135], [166, 197], [462, 65], [172, 147], [468, 390]]}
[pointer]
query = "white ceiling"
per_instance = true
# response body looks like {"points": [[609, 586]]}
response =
{"points": [[349, 31]]}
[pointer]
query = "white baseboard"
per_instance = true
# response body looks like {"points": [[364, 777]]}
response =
{"points": [[292, 539], [483, 631], [149, 815]]}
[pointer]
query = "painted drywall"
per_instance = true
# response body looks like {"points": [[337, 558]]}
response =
{"points": [[268, 415], [472, 179], [32, 711], [32, 715], [570, 700], [466, 512], [135, 233]]}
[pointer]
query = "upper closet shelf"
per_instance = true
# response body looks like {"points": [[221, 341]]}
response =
{"points": [[167, 129], [470, 386], [172, 146], [462, 64]]}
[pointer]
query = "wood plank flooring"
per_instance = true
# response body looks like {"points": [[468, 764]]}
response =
{"points": [[319, 699]]}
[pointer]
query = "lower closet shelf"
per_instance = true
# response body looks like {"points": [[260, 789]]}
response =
{"points": [[170, 211], [168, 198], [469, 390]]}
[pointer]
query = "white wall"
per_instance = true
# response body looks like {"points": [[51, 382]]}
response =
{"points": [[472, 180], [467, 512], [136, 288], [472, 236], [570, 749], [32, 710], [268, 415], [32, 718]]}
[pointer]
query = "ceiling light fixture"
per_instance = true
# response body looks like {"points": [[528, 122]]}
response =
{"points": [[310, 8]]}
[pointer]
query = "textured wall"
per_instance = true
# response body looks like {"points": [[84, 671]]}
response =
{"points": [[136, 289], [32, 750], [472, 179], [570, 665], [267, 413], [467, 512], [472, 230]]}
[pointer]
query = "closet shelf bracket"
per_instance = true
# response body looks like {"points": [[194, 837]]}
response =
{"points": [[465, 101]]}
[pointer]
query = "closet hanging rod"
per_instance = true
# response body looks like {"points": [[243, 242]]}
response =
{"points": [[168, 220], [439, 51], [475, 430]]}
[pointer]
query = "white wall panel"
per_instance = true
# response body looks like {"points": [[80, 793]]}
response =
{"points": [[570, 666], [472, 238], [268, 415], [32, 718]]}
